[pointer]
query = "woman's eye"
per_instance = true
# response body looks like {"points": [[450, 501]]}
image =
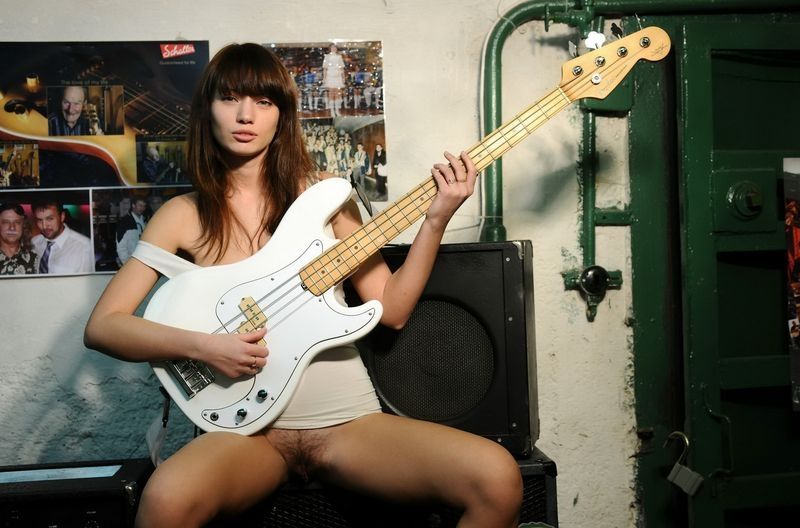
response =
{"points": [[227, 98], [265, 102]]}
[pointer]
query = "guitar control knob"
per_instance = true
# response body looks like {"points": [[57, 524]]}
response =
{"points": [[241, 413], [262, 394], [214, 417]]}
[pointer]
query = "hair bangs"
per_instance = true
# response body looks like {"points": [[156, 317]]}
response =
{"points": [[250, 69]]}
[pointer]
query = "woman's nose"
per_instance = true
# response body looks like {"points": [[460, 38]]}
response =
{"points": [[245, 113]]}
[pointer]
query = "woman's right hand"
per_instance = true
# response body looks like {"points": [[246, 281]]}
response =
{"points": [[234, 355]]}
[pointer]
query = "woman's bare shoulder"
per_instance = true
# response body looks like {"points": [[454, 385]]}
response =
{"points": [[176, 224]]}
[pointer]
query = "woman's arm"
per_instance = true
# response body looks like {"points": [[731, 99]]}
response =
{"points": [[400, 291], [114, 330]]}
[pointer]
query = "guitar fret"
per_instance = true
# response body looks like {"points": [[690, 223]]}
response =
{"points": [[479, 155], [323, 273], [542, 110]]}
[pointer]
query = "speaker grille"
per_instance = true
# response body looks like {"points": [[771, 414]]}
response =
{"points": [[438, 367]]}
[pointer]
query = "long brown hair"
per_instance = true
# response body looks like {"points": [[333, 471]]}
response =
{"points": [[245, 69]]}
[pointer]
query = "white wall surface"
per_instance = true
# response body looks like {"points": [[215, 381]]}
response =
{"points": [[61, 402]]}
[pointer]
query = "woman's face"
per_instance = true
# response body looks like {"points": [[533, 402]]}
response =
{"points": [[244, 126]]}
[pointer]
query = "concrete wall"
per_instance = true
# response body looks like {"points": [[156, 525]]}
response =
{"points": [[61, 402]]}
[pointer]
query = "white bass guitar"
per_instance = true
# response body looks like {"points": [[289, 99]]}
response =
{"points": [[288, 285]]}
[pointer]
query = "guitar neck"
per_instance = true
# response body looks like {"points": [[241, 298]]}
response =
{"points": [[343, 259]]}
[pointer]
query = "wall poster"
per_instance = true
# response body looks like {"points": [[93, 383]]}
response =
{"points": [[791, 193], [92, 136], [342, 109]]}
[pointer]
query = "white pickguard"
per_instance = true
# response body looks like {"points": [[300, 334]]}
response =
{"points": [[299, 324]]}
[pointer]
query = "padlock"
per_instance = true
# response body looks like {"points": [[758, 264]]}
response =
{"points": [[683, 477]]}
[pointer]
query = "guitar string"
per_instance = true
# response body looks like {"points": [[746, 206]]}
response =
{"points": [[379, 223], [527, 120], [176, 122], [352, 242], [427, 187], [258, 301], [552, 102]]}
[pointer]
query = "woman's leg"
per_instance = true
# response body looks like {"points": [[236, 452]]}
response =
{"points": [[405, 459], [215, 473]]}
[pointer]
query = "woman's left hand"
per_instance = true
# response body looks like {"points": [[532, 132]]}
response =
{"points": [[456, 182]]}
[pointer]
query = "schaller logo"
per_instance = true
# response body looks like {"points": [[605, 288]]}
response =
{"points": [[176, 50]]}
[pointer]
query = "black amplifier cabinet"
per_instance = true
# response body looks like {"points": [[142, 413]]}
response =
{"points": [[467, 356], [76, 495], [316, 506]]}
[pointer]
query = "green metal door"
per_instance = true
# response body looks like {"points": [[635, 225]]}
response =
{"points": [[737, 110]]}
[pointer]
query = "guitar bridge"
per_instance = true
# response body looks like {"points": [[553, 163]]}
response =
{"points": [[192, 376]]}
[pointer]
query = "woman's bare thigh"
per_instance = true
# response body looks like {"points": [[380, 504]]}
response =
{"points": [[406, 459], [214, 473]]}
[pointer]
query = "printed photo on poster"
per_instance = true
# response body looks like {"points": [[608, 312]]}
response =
{"points": [[78, 110], [19, 164], [85, 103], [45, 233], [119, 217], [791, 193], [341, 108], [161, 161], [80, 117]]}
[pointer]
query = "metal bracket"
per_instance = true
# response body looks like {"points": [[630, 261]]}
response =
{"points": [[592, 282]]}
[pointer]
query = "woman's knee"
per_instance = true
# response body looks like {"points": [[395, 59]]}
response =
{"points": [[499, 482], [168, 501]]}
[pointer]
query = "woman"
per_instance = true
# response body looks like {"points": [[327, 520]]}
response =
{"points": [[248, 163], [333, 79]]}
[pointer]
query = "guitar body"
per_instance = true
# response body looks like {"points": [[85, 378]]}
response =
{"points": [[299, 324]]}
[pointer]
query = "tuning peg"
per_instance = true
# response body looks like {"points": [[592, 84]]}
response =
{"points": [[573, 49], [595, 40], [617, 31]]}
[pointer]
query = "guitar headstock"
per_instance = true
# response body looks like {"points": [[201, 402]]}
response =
{"points": [[597, 73]]}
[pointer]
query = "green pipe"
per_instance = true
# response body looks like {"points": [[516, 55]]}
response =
{"points": [[686, 7], [587, 179], [493, 228], [588, 175], [578, 14]]}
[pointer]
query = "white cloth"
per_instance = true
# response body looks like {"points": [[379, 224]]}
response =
{"points": [[71, 252]]}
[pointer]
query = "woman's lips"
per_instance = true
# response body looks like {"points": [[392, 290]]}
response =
{"points": [[243, 136]]}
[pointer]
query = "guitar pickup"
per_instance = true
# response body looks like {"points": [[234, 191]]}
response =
{"points": [[191, 376], [254, 317]]}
